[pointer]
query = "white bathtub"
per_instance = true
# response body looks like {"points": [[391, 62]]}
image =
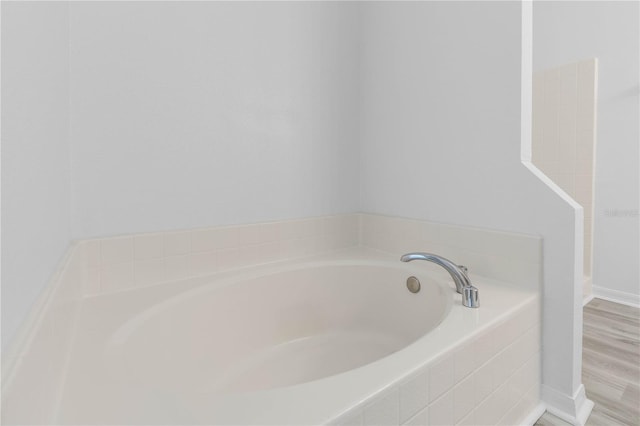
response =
{"points": [[305, 342]]}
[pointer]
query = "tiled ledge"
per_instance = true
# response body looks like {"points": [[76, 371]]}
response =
{"points": [[126, 262], [504, 256]]}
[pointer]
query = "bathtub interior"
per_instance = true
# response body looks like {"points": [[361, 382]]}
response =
{"points": [[279, 329]]}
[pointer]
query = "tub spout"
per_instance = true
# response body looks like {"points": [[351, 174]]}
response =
{"points": [[458, 274]]}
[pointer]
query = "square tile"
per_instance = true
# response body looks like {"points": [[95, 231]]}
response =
{"points": [[203, 240], [177, 243], [483, 381], [176, 268], [468, 420], [489, 412], [270, 232], [228, 259], [384, 411], [249, 235], [351, 419], [420, 419], [441, 410], [464, 398], [116, 250], [441, 376], [226, 237], [92, 248], [148, 246], [465, 361], [202, 263], [116, 277], [485, 345], [150, 271], [92, 282], [414, 396]]}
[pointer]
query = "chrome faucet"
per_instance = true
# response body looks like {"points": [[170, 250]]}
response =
{"points": [[457, 272]]}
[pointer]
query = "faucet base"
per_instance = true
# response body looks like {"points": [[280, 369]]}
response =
{"points": [[470, 297]]}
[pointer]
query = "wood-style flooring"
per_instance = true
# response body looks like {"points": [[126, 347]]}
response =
{"points": [[610, 365]]}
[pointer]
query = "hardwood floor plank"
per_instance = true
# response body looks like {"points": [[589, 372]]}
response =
{"points": [[623, 415], [550, 420], [602, 306], [622, 317], [598, 418], [610, 389], [596, 363], [631, 395], [611, 347], [618, 329], [611, 403]]}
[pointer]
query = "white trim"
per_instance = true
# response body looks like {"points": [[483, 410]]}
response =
{"points": [[573, 409], [554, 398], [587, 298], [3, 358], [534, 415], [526, 80], [587, 291], [21, 342], [616, 296]]}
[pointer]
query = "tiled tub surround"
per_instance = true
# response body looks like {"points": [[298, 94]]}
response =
{"points": [[127, 262], [504, 256], [497, 373]]}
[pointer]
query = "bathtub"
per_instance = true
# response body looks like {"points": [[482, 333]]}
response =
{"points": [[336, 339]]}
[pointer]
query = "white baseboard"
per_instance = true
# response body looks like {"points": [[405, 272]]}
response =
{"points": [[534, 415], [616, 296], [586, 299], [572, 409]]}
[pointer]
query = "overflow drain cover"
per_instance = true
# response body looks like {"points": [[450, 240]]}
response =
{"points": [[413, 284]]}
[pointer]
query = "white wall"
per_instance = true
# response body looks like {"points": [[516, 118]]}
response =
{"points": [[209, 113], [35, 153], [441, 137], [569, 31]]}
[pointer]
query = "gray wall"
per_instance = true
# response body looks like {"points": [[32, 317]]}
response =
{"points": [[209, 113], [130, 117], [35, 153]]}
